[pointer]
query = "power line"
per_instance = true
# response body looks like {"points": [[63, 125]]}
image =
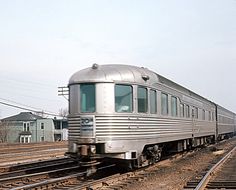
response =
{"points": [[28, 109], [22, 105]]}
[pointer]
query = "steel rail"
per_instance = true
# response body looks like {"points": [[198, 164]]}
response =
{"points": [[36, 174], [50, 181], [57, 180], [25, 165], [202, 184], [35, 168]]}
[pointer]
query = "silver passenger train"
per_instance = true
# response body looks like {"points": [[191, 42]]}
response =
{"points": [[131, 114]]}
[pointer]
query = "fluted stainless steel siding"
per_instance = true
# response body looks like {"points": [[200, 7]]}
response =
{"points": [[137, 127], [74, 128]]}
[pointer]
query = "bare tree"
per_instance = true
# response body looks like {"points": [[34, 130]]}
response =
{"points": [[63, 112], [4, 131]]}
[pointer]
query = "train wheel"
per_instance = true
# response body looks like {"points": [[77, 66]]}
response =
{"points": [[153, 154]]}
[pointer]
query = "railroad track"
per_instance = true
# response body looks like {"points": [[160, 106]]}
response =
{"points": [[218, 175], [15, 154], [19, 166], [107, 177], [17, 159], [37, 172], [27, 168], [70, 176], [73, 176], [225, 175], [19, 147]]}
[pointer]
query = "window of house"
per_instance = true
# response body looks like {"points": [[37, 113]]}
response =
{"points": [[57, 124], [87, 98], [25, 139], [42, 125], [187, 111], [181, 110], [213, 114], [153, 101], [64, 124], [26, 126], [123, 98], [173, 106], [142, 100], [203, 115], [164, 104], [42, 138]]}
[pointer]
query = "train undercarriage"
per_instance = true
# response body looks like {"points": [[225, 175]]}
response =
{"points": [[92, 155]]}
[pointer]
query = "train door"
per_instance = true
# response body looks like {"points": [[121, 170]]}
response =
{"points": [[193, 123]]}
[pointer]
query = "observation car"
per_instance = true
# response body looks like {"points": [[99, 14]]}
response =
{"points": [[131, 114]]}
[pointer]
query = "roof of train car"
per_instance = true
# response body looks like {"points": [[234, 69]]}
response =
{"points": [[225, 110], [114, 73], [126, 73]]}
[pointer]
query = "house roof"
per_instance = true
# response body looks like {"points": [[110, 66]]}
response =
{"points": [[23, 116]]}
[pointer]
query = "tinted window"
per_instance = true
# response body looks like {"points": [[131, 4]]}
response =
{"points": [[196, 112], [187, 111], [73, 99], [181, 110], [123, 98], [173, 106], [209, 116], [153, 101], [142, 100], [87, 98], [164, 104], [203, 115]]}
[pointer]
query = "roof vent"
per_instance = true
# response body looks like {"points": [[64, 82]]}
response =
{"points": [[145, 77], [95, 66]]}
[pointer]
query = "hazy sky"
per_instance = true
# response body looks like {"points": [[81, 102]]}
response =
{"points": [[43, 42]]}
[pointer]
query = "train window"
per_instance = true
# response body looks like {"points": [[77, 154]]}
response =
{"points": [[203, 115], [196, 112], [181, 110], [173, 106], [213, 118], [164, 104], [123, 98], [209, 116], [142, 100], [153, 101], [73, 99], [87, 98], [187, 111]]}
